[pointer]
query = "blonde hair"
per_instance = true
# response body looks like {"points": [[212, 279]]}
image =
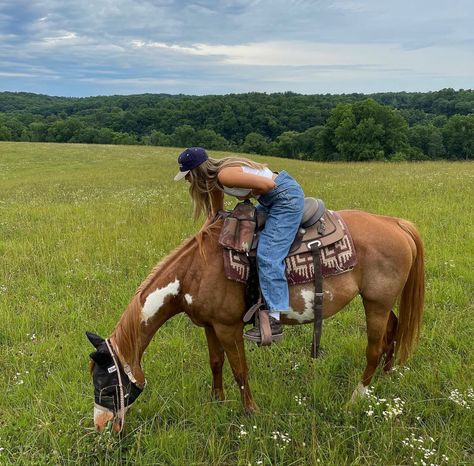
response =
{"points": [[204, 180]]}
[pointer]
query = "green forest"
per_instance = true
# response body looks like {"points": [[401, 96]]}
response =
{"points": [[348, 127]]}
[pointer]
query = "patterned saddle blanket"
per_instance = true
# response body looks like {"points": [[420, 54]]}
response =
{"points": [[330, 232]]}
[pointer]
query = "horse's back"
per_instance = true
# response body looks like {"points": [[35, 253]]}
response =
{"points": [[385, 248], [376, 230]]}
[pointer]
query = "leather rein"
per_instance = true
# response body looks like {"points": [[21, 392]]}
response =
{"points": [[126, 368]]}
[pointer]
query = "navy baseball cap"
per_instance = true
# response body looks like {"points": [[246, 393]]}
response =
{"points": [[191, 158]]}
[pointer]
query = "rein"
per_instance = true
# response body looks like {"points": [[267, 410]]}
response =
{"points": [[121, 410]]}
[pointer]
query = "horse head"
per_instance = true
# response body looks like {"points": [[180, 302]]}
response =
{"points": [[115, 388]]}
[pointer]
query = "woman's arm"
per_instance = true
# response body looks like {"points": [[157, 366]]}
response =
{"points": [[235, 177]]}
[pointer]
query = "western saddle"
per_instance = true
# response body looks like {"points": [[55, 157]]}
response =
{"points": [[318, 228]]}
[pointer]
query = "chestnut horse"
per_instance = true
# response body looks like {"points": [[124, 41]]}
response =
{"points": [[390, 269]]}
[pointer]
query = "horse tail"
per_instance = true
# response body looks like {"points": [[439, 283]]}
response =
{"points": [[412, 298]]}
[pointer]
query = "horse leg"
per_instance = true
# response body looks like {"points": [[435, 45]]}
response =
{"points": [[389, 341], [216, 360], [231, 338], [376, 315]]}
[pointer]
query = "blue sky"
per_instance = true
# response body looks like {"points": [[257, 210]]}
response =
{"points": [[104, 47]]}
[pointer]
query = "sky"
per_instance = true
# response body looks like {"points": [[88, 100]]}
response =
{"points": [[105, 47]]}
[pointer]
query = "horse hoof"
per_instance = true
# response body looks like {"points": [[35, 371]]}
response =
{"points": [[359, 393], [387, 368], [218, 395], [250, 410]]}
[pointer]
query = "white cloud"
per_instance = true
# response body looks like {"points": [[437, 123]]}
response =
{"points": [[365, 57], [6, 74], [139, 82], [351, 6], [238, 45], [67, 36]]}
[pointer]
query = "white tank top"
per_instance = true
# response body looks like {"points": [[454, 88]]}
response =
{"points": [[243, 192]]}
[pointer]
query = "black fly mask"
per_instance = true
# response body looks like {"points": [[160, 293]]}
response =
{"points": [[113, 388]]}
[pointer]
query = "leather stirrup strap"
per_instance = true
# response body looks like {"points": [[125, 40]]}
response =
{"points": [[265, 330], [249, 314], [318, 301]]}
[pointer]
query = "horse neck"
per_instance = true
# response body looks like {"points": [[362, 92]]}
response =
{"points": [[156, 300]]}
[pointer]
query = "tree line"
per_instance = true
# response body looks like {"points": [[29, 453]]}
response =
{"points": [[348, 127]]}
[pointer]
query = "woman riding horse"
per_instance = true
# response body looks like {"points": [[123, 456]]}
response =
{"points": [[277, 193]]}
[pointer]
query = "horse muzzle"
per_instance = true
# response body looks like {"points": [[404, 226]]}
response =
{"points": [[104, 416]]}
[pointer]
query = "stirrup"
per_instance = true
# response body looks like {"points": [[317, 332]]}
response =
{"points": [[266, 337]]}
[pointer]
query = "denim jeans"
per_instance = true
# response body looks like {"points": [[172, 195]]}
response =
{"points": [[284, 205]]}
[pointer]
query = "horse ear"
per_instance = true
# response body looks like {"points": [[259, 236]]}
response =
{"points": [[100, 356], [94, 339]]}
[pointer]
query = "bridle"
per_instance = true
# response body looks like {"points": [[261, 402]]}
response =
{"points": [[125, 397], [121, 407]]}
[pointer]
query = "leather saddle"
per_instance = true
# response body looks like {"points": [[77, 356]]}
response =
{"points": [[318, 226]]}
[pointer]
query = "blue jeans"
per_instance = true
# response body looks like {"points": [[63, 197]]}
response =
{"points": [[284, 205]]}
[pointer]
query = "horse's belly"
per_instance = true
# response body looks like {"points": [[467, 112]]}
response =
{"points": [[337, 292]]}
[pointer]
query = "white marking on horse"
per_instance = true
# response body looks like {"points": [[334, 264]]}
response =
{"points": [[155, 300], [188, 298], [102, 415], [307, 315], [359, 392]]}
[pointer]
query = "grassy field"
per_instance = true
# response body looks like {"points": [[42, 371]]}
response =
{"points": [[81, 226]]}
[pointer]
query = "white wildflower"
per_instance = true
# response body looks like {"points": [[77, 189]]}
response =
{"points": [[420, 451], [281, 439], [390, 409], [300, 399], [242, 432], [465, 400]]}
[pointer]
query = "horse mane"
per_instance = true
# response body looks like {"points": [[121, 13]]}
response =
{"points": [[126, 334], [199, 238], [211, 232], [172, 256]]}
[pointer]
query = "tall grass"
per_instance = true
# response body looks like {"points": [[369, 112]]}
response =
{"points": [[81, 226]]}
